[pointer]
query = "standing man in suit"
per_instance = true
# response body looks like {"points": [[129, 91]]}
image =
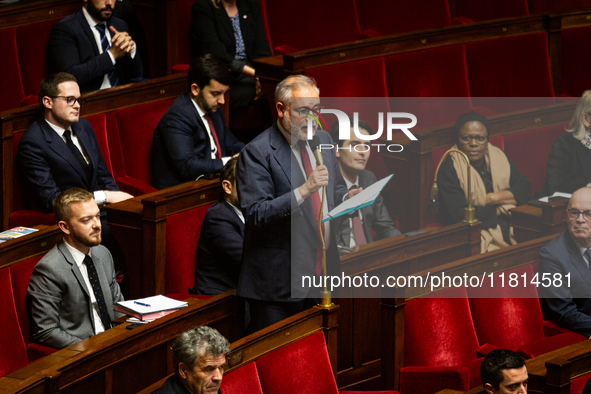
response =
{"points": [[356, 229], [60, 151], [95, 47], [192, 139], [280, 189], [219, 252], [73, 287], [568, 299]]}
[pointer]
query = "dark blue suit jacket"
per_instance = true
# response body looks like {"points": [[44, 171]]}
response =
{"points": [[73, 49], [47, 167], [219, 252], [280, 241], [180, 146], [569, 307]]}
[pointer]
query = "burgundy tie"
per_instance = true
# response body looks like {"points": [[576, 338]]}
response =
{"points": [[218, 153], [316, 203], [357, 225]]}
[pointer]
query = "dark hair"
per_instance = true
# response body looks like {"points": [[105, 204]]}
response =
{"points": [[50, 85], [470, 117], [207, 67], [229, 171], [334, 131], [62, 204], [491, 369]]}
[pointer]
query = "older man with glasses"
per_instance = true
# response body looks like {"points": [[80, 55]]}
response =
{"points": [[564, 273], [60, 152]]}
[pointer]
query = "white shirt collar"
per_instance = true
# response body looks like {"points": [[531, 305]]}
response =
{"points": [[238, 211], [349, 184], [57, 129], [287, 136], [76, 254], [201, 112]]}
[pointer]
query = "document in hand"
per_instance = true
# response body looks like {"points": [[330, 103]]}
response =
{"points": [[150, 307], [361, 200]]}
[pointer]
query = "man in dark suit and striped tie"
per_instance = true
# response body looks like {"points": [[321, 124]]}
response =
{"points": [[95, 47]]}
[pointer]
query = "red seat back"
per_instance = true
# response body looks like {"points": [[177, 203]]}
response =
{"points": [[439, 332], [438, 76], [281, 371], [532, 162], [513, 66], [401, 16], [244, 380], [32, 43], [550, 6], [21, 274], [574, 76], [183, 30], [483, 11], [318, 23], [11, 82], [182, 235], [14, 352], [516, 306], [135, 128]]}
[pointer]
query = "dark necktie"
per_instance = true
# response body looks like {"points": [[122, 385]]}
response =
{"points": [[98, 292], [588, 255], [78, 155], [105, 44], [357, 225], [218, 153], [316, 203]]}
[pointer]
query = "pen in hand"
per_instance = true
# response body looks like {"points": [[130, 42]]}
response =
{"points": [[141, 303]]}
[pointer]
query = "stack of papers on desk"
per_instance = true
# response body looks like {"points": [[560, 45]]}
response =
{"points": [[152, 308]]}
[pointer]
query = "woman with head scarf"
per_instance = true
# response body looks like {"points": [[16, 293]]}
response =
{"points": [[497, 185]]}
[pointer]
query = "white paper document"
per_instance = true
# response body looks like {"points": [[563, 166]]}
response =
{"points": [[363, 199]]}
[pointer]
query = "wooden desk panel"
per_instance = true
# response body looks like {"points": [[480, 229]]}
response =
{"points": [[30, 245], [531, 222]]}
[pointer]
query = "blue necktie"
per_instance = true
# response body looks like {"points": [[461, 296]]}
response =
{"points": [[113, 77], [98, 292]]}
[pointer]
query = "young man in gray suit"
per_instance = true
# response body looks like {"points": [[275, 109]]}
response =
{"points": [[73, 287]]}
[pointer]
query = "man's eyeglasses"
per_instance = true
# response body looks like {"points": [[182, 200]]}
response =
{"points": [[305, 111], [71, 100], [480, 139], [574, 214]]}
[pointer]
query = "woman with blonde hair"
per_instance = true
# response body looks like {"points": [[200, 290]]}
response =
{"points": [[569, 160]]}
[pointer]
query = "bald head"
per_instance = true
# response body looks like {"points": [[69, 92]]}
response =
{"points": [[579, 227]]}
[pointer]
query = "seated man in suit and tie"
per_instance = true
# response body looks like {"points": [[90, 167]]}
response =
{"points": [[192, 140], [219, 252], [356, 229], [60, 151], [95, 47], [73, 287], [565, 260]]}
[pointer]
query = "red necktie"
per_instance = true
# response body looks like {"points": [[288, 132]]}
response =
{"points": [[316, 203], [357, 225], [218, 153]]}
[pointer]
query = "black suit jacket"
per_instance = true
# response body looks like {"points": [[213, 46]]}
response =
{"points": [[219, 252], [173, 385], [212, 32], [569, 166], [568, 306], [181, 150], [47, 167], [73, 49], [280, 239], [375, 217]]}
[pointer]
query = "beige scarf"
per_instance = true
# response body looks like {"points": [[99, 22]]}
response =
{"points": [[500, 170]]}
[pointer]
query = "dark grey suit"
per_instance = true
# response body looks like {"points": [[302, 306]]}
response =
{"points": [[60, 307], [568, 306], [374, 217]]}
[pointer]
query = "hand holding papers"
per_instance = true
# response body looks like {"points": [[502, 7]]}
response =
{"points": [[363, 199]]}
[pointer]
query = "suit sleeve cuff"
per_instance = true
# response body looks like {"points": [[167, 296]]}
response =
{"points": [[100, 197], [111, 57], [298, 196]]}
